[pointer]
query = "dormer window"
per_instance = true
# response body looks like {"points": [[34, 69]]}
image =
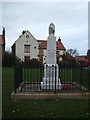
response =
{"points": [[56, 46]]}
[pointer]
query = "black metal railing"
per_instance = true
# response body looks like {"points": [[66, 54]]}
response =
{"points": [[28, 78], [74, 77], [18, 76]]}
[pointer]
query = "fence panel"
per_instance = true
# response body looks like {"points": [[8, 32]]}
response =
{"points": [[73, 78]]}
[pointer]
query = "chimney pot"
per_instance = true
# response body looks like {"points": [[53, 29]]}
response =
{"points": [[59, 39], [3, 32]]}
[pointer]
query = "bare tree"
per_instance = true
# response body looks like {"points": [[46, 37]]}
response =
{"points": [[73, 52]]}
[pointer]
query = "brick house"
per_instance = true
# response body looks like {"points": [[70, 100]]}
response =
{"points": [[2, 43], [81, 59], [87, 63], [88, 55], [60, 50]]}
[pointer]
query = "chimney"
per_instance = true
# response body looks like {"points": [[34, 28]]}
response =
{"points": [[3, 32], [59, 39], [23, 32]]}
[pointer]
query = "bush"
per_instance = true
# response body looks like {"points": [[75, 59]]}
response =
{"points": [[9, 59], [33, 63], [67, 61]]}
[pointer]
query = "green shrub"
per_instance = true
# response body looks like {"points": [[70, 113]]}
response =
{"points": [[33, 63], [9, 59]]}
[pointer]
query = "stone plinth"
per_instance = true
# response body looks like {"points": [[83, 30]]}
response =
{"points": [[51, 79]]}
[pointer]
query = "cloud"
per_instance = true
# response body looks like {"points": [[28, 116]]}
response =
{"points": [[70, 20]]}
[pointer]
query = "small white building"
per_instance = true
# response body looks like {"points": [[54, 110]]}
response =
{"points": [[27, 47]]}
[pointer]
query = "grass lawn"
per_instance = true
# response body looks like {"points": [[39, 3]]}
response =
{"points": [[57, 108]]}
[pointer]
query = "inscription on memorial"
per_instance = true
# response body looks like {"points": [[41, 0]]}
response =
{"points": [[51, 53]]}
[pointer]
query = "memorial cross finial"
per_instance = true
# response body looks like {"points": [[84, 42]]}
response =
{"points": [[51, 29]]}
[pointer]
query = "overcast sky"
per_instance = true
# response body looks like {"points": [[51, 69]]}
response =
{"points": [[70, 19]]}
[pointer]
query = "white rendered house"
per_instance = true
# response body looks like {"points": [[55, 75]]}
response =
{"points": [[26, 47]]}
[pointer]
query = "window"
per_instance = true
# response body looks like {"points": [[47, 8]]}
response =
{"points": [[26, 58], [57, 52], [56, 46], [34, 47], [26, 48], [41, 51], [27, 36], [57, 59]]}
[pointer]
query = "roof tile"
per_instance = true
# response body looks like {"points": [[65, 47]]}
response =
{"points": [[43, 45], [2, 40], [80, 58]]}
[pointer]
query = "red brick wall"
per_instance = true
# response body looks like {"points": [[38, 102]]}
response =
{"points": [[2, 50], [88, 55]]}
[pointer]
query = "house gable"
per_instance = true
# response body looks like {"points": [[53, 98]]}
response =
{"points": [[26, 39]]}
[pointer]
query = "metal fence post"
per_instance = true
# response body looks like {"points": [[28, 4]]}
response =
{"points": [[18, 76], [55, 78], [21, 72], [41, 73], [88, 77], [52, 75], [81, 69], [15, 78]]}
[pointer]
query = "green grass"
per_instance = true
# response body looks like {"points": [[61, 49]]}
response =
{"points": [[33, 73], [68, 75], [65, 75], [81, 77], [57, 108]]}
